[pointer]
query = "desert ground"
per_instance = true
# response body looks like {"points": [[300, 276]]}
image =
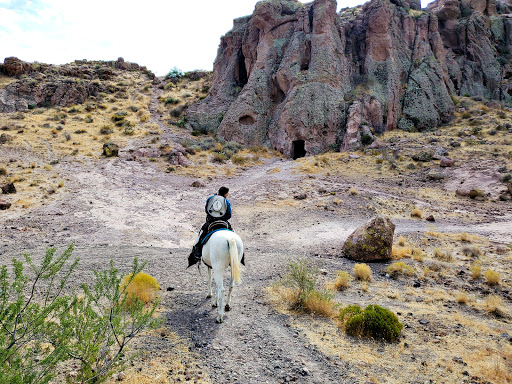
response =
{"points": [[457, 325]]}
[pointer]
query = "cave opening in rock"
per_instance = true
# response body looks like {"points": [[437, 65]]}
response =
{"points": [[298, 149], [241, 71]]}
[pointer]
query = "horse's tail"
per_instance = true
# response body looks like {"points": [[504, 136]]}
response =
{"points": [[235, 263]]}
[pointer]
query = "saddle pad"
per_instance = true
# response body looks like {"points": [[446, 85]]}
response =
{"points": [[207, 237]]}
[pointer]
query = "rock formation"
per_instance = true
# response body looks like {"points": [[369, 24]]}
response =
{"points": [[302, 78], [44, 85]]}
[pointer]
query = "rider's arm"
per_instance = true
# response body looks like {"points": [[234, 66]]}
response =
{"points": [[206, 205], [227, 216]]}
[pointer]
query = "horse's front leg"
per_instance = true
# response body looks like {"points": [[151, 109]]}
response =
{"points": [[228, 302], [209, 283], [219, 296]]}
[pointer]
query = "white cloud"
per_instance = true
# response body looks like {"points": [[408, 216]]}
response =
{"points": [[158, 34]]}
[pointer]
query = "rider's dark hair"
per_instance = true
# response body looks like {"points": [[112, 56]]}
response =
{"points": [[223, 191]]}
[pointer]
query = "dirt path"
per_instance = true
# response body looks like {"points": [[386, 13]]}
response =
{"points": [[123, 209]]}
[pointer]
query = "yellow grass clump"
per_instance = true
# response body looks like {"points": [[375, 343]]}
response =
{"points": [[492, 277], [416, 212], [442, 255], [476, 270], [401, 241], [461, 298], [399, 253], [418, 255], [493, 304], [143, 287], [321, 304], [399, 268], [353, 191], [362, 272], [342, 280]]}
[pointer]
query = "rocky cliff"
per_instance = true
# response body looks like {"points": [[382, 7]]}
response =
{"points": [[45, 85], [303, 78]]}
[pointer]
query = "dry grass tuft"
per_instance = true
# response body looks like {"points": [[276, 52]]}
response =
{"points": [[401, 241], [418, 255], [399, 268], [493, 304], [476, 270], [461, 298], [342, 280], [472, 250], [362, 272], [320, 303], [442, 255], [416, 212], [492, 277], [143, 287], [399, 253], [353, 191]]}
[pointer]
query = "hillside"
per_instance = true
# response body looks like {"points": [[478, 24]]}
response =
{"points": [[446, 187]]}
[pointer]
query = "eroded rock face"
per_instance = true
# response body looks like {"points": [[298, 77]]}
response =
{"points": [[372, 241], [45, 85], [301, 77]]}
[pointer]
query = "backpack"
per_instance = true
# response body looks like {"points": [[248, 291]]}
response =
{"points": [[217, 206]]}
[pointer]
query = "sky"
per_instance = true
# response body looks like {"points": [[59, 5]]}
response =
{"points": [[158, 34]]}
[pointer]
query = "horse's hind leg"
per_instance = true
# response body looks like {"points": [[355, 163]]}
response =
{"points": [[219, 296], [228, 302], [209, 283]]}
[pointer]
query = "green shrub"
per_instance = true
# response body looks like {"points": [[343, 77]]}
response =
{"points": [[175, 73], [506, 178], [171, 100], [366, 139], [375, 321], [42, 327], [301, 275]]}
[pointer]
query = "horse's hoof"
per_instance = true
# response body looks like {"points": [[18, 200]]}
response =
{"points": [[214, 305], [208, 296], [219, 320], [227, 308]]}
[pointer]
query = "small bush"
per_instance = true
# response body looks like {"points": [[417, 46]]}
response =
{"points": [[375, 321], [399, 268], [464, 237], [442, 255], [476, 271], [461, 298], [302, 276], [418, 255], [219, 157], [175, 73], [353, 191], [492, 277], [401, 241], [399, 253], [493, 304], [416, 212], [106, 130], [362, 272], [506, 178], [342, 280], [3, 171], [238, 160], [171, 100], [473, 251], [142, 286]]}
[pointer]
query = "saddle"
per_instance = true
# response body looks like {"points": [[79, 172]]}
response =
{"points": [[217, 225]]}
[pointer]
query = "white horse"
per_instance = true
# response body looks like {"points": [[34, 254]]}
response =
{"points": [[222, 249]]}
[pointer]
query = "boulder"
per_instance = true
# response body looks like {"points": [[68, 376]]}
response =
{"points": [[423, 156], [15, 67], [5, 138], [447, 162], [4, 204], [372, 241], [178, 158], [110, 150], [9, 188]]}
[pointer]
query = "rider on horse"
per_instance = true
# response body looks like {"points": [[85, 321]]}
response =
{"points": [[218, 212]]}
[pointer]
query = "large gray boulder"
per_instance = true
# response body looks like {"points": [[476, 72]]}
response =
{"points": [[372, 241]]}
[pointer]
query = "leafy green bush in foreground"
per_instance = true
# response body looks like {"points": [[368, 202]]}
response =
{"points": [[41, 326], [375, 321]]}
